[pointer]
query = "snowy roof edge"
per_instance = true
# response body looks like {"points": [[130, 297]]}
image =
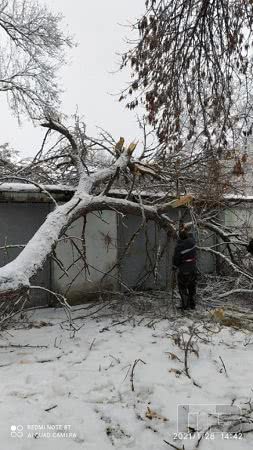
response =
{"points": [[23, 187]]}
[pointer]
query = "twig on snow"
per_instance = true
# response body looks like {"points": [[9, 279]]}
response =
{"points": [[51, 407], [132, 372], [174, 446], [201, 437], [224, 366], [186, 367], [23, 346]]}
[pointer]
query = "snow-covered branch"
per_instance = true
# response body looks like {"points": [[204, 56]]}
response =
{"points": [[231, 264], [15, 276]]}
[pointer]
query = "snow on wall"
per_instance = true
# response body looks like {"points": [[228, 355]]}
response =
{"points": [[27, 187], [101, 255]]}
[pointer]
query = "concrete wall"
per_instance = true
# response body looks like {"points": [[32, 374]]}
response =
{"points": [[21, 214], [206, 262], [137, 265], [240, 217], [18, 223], [82, 282], [136, 268]]}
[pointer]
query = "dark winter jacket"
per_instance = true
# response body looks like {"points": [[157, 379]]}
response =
{"points": [[185, 255], [250, 247]]}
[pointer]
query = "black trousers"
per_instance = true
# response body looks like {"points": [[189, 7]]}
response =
{"points": [[187, 283]]}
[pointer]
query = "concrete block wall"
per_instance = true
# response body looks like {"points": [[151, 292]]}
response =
{"points": [[18, 223], [137, 265], [82, 282], [106, 235]]}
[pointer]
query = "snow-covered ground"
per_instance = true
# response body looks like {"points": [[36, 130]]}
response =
{"points": [[79, 389]]}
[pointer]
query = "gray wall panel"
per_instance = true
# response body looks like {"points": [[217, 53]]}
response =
{"points": [[136, 267], [18, 223]]}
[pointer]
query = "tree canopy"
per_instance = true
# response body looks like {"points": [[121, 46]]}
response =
{"points": [[192, 70], [32, 48]]}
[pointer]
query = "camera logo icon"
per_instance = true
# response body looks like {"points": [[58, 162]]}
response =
{"points": [[17, 431]]}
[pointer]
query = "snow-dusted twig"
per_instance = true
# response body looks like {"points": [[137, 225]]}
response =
{"points": [[236, 291], [236, 268], [224, 366], [50, 409], [132, 372], [174, 446], [23, 346], [186, 353], [202, 436], [60, 298]]}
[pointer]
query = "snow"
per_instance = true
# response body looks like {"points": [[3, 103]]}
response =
{"points": [[78, 382], [238, 197], [26, 187], [23, 187]]}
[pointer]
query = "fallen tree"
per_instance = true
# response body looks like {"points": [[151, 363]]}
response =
{"points": [[173, 166], [93, 192], [15, 276]]}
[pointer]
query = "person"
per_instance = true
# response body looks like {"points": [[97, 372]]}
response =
{"points": [[184, 262], [250, 246]]}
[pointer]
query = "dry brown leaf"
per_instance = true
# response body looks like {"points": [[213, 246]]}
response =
{"points": [[120, 144], [153, 415], [145, 169], [181, 201], [217, 314], [244, 158], [132, 147], [177, 372], [173, 356], [136, 172]]}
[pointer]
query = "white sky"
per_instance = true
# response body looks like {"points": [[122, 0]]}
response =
{"points": [[87, 81]]}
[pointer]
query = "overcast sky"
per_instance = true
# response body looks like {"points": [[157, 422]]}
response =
{"points": [[87, 81]]}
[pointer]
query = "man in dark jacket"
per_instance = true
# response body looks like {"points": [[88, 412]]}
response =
{"points": [[250, 246], [184, 261]]}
